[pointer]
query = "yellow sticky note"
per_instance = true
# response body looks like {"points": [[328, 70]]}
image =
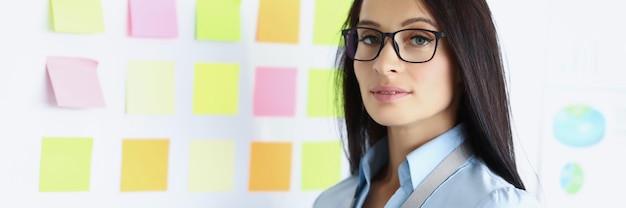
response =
{"points": [[77, 16], [216, 89], [270, 166], [65, 164], [321, 164], [211, 165], [150, 87], [329, 18], [322, 94], [278, 21], [144, 164], [218, 20]]}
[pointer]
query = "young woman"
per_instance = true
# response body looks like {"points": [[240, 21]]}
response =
{"points": [[426, 108]]}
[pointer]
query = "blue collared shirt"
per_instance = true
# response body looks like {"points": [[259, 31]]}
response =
{"points": [[418, 164], [473, 184]]}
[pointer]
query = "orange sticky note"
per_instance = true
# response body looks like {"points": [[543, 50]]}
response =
{"points": [[270, 166], [278, 21], [144, 164]]}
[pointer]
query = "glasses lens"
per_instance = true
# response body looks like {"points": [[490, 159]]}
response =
{"points": [[368, 44], [416, 45], [351, 41]]}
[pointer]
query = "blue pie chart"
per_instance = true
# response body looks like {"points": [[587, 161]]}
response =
{"points": [[579, 126]]}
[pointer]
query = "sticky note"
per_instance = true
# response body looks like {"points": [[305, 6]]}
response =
{"points": [[321, 164], [75, 82], [328, 21], [144, 164], [270, 166], [150, 88], [322, 94], [77, 16], [275, 91], [216, 88], [65, 164], [211, 165], [218, 20], [278, 21], [153, 18]]}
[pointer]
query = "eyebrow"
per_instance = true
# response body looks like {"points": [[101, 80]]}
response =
{"points": [[404, 24]]}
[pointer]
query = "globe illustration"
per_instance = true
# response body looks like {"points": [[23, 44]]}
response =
{"points": [[579, 126], [571, 178]]}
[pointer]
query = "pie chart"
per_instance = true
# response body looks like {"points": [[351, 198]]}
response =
{"points": [[571, 178], [579, 126]]}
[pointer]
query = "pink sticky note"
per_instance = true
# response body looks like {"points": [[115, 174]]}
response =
{"points": [[75, 82], [152, 18], [275, 91]]}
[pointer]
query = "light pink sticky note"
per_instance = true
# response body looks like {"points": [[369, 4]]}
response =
{"points": [[152, 18], [75, 82], [275, 91]]}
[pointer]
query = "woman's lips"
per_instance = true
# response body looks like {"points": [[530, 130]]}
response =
{"points": [[388, 93]]}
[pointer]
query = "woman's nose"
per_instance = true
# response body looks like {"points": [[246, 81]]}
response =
{"points": [[388, 61]]}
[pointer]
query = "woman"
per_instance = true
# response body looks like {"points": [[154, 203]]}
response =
{"points": [[426, 109]]}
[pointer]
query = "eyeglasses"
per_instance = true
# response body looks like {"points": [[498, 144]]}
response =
{"points": [[411, 45]]}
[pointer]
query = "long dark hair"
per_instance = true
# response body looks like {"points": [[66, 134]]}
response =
{"points": [[484, 107]]}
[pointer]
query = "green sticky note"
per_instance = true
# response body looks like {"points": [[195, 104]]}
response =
{"points": [[150, 87], [322, 92], [218, 20], [216, 89], [211, 165], [65, 164], [77, 16], [329, 18], [321, 164]]}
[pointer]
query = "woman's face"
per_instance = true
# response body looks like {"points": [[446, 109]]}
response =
{"points": [[397, 93]]}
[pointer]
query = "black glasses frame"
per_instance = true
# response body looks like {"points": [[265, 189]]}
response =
{"points": [[347, 32]]}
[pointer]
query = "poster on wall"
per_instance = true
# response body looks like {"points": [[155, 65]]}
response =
{"points": [[583, 139]]}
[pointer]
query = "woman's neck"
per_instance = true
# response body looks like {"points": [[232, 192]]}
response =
{"points": [[405, 139]]}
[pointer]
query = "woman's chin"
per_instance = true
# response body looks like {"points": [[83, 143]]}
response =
{"points": [[391, 120]]}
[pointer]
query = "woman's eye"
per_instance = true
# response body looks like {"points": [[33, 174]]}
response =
{"points": [[370, 39], [420, 40]]}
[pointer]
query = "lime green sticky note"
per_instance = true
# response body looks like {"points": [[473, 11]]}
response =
{"points": [[321, 164], [77, 16], [322, 94], [216, 88], [329, 18], [211, 165], [150, 87], [218, 20], [144, 164], [65, 164]]}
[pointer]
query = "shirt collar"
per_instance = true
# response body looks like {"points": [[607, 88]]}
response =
{"points": [[418, 164], [424, 159], [374, 160]]}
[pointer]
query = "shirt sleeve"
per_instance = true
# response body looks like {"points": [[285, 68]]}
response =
{"points": [[509, 197]]}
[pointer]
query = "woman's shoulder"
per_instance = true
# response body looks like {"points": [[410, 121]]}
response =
{"points": [[475, 185], [339, 195]]}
